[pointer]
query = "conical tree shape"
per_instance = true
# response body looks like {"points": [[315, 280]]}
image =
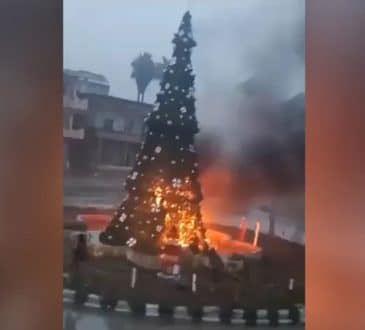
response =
{"points": [[164, 194]]}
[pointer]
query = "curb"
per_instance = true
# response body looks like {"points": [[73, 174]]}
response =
{"points": [[90, 204], [210, 314]]}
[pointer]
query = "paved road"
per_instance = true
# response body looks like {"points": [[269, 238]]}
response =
{"points": [[86, 318]]}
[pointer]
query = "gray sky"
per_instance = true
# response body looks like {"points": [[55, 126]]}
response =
{"points": [[235, 38]]}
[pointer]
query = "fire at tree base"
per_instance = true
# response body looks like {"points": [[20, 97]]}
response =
{"points": [[221, 253], [172, 256]]}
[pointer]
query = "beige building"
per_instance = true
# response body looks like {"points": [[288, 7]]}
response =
{"points": [[101, 132]]}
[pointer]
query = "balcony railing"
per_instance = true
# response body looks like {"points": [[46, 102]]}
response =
{"points": [[77, 134], [119, 136], [74, 102]]}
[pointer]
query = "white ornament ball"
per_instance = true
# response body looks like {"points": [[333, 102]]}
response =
{"points": [[122, 217], [131, 242]]}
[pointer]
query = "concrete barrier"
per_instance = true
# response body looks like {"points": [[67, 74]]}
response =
{"points": [[212, 314]]}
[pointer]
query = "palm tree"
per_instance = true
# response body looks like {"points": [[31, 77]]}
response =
{"points": [[160, 67], [143, 72]]}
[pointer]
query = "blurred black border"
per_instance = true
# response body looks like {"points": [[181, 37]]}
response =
{"points": [[31, 169], [31, 164], [335, 164]]}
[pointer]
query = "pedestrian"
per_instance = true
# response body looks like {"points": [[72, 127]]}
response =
{"points": [[217, 266], [80, 252]]}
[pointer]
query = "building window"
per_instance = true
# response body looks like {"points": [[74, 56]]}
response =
{"points": [[117, 153], [108, 124], [134, 127], [137, 129], [111, 153], [131, 155], [66, 121], [119, 125], [78, 121], [130, 126]]}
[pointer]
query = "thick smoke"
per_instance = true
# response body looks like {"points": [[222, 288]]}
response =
{"points": [[250, 101], [263, 47]]}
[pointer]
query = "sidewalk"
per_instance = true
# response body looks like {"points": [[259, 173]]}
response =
{"points": [[98, 180]]}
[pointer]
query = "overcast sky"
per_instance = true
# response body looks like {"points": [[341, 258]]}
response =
{"points": [[236, 39]]}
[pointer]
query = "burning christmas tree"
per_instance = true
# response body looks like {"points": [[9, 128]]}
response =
{"points": [[162, 206]]}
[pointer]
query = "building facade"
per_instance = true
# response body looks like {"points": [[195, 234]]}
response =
{"points": [[101, 132], [114, 131], [74, 110], [85, 82]]}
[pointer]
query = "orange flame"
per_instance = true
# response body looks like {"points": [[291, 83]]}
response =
{"points": [[182, 225]]}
